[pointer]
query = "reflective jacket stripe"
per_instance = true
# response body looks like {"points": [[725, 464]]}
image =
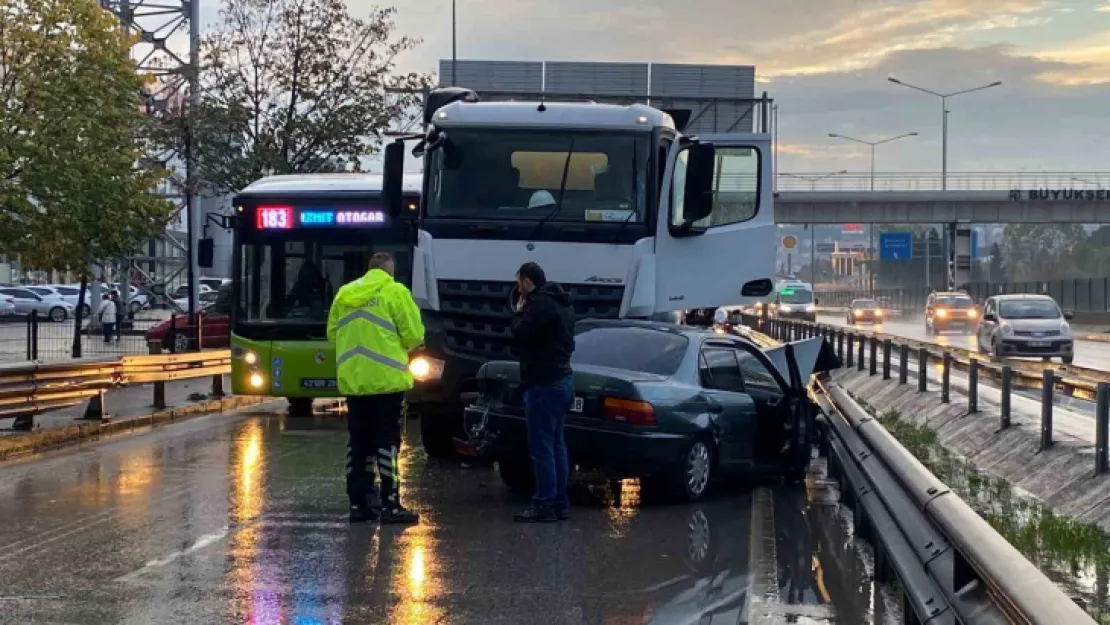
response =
{"points": [[367, 315], [361, 350]]}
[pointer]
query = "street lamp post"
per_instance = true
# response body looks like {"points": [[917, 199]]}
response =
{"points": [[871, 227], [454, 47], [944, 164], [871, 145], [813, 180]]}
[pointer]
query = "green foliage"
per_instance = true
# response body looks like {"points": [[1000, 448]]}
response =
{"points": [[1038, 251], [70, 136], [294, 86]]}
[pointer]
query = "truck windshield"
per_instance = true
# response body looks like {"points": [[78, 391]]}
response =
{"points": [[517, 175], [293, 279]]}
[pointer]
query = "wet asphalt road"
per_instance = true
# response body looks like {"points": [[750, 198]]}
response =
{"points": [[241, 519]]}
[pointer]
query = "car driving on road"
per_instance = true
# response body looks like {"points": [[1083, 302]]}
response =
{"points": [[864, 311], [1025, 325], [672, 404], [949, 311]]}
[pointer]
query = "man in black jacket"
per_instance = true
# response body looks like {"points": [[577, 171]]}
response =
{"points": [[543, 339]]}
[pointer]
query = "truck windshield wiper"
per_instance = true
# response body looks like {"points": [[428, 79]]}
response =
{"points": [[559, 202]]}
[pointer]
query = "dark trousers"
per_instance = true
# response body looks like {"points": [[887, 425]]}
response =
{"points": [[545, 407], [374, 425], [109, 329]]}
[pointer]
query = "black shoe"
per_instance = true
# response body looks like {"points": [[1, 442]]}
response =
{"points": [[563, 514], [536, 515], [363, 514], [399, 516]]}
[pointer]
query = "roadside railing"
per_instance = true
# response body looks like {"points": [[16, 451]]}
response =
{"points": [[951, 565], [933, 181], [1074, 295], [29, 389], [887, 355]]}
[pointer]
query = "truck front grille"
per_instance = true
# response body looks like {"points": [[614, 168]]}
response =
{"points": [[477, 315]]}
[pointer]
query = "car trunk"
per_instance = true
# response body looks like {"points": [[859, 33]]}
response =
{"points": [[499, 387]]}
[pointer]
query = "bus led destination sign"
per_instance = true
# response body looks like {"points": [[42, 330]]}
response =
{"points": [[287, 217]]}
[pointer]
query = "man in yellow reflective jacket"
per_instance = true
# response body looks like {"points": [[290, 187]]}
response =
{"points": [[374, 324]]}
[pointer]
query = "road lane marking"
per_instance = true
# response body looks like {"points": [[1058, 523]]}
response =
{"points": [[201, 543]]}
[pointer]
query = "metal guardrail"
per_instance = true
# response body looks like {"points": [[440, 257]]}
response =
{"points": [[931, 181], [953, 567], [873, 350], [29, 389]]}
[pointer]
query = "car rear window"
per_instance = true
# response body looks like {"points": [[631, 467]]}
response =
{"points": [[633, 349], [955, 302]]}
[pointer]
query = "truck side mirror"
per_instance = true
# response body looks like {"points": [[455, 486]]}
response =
{"points": [[393, 176], [206, 253], [698, 196]]}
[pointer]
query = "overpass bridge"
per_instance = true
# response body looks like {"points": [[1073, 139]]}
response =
{"points": [[971, 197]]}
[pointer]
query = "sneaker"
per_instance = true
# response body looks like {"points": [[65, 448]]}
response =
{"points": [[399, 516], [562, 513], [536, 515]]}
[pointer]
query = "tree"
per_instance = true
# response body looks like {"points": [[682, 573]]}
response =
{"points": [[70, 137], [293, 86], [1035, 251], [997, 267]]}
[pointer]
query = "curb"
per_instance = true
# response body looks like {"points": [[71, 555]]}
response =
{"points": [[48, 439], [1097, 338]]}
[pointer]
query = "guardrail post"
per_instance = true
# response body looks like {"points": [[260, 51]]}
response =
{"points": [[946, 379], [862, 347], [903, 363], [172, 336], [973, 386], [922, 370], [886, 359], [874, 364], [1048, 379], [1007, 390], [97, 409], [1102, 428], [30, 324], [218, 385], [840, 345], [850, 348], [159, 395]]}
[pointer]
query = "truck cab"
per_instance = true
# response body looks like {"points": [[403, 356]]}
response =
{"points": [[631, 216]]}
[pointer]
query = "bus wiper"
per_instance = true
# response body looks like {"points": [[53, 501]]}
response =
{"points": [[559, 202]]}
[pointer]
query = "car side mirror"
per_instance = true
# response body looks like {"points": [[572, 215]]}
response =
{"points": [[816, 302], [1069, 316], [698, 195], [393, 176]]}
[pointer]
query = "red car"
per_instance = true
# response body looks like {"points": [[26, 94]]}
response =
{"points": [[214, 323]]}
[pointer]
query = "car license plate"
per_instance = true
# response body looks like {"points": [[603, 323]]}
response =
{"points": [[1039, 343], [578, 405], [316, 384]]}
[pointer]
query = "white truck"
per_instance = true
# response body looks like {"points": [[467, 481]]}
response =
{"points": [[633, 218]]}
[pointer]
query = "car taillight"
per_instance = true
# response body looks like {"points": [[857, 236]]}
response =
{"points": [[628, 411]]}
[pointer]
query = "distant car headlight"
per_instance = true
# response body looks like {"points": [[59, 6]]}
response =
{"points": [[1007, 329], [1065, 329], [878, 312], [972, 313], [424, 368], [811, 308], [942, 313], [858, 313]]}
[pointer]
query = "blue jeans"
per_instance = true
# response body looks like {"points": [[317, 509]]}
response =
{"points": [[546, 408]]}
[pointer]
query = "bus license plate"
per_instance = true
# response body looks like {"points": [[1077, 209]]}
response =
{"points": [[578, 405], [316, 384]]}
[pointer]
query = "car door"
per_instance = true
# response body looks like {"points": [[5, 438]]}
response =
{"points": [[984, 333], [735, 413], [774, 410]]}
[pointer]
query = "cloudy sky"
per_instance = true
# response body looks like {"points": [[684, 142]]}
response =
{"points": [[826, 62]]}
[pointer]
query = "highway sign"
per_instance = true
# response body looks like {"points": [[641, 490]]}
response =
{"points": [[895, 245], [789, 241]]}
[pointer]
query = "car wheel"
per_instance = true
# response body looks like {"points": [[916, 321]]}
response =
{"points": [[58, 314], [1067, 360], [136, 307], [300, 406], [517, 473], [701, 542], [692, 480]]}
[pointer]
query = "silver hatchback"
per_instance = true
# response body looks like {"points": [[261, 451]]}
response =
{"points": [[1025, 326]]}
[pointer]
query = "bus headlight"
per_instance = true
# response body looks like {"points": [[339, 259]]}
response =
{"points": [[256, 380], [246, 355], [424, 368]]}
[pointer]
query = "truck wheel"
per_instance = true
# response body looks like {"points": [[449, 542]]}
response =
{"points": [[436, 435], [300, 406], [517, 473]]}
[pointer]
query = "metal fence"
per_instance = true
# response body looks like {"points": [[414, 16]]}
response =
{"points": [[931, 181], [1076, 295]]}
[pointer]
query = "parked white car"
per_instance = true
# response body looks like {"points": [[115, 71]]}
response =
{"points": [[7, 306], [71, 294], [26, 301]]}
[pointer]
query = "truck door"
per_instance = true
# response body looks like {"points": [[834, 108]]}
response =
{"points": [[708, 263]]}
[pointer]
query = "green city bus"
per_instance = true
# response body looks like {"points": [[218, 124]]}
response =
{"points": [[297, 240]]}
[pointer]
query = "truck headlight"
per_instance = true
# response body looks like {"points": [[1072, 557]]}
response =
{"points": [[424, 368]]}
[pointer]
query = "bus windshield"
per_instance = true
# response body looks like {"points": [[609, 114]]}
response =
{"points": [[293, 278], [517, 175], [796, 295]]}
